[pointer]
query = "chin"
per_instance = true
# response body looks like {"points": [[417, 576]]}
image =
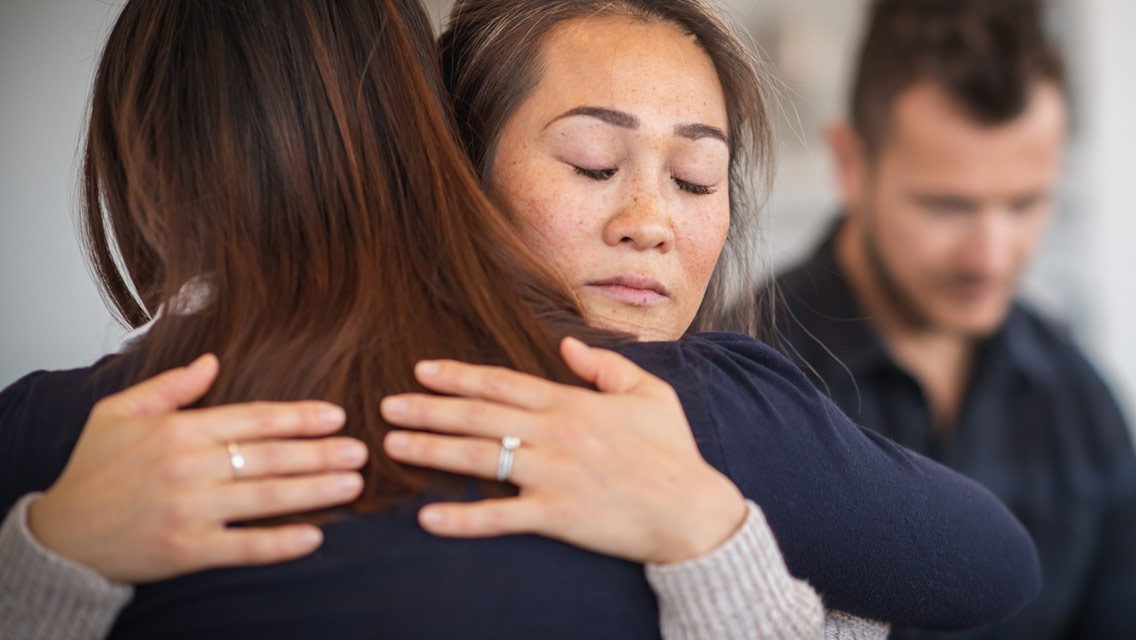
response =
{"points": [[621, 322], [975, 326]]}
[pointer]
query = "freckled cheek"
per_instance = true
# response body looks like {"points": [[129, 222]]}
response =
{"points": [[703, 238], [557, 221]]}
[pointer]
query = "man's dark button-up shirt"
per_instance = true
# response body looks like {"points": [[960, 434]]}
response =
{"points": [[1038, 427]]}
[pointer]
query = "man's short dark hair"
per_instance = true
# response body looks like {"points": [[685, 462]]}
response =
{"points": [[987, 55]]}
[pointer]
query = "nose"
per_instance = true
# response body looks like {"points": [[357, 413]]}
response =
{"points": [[992, 247], [642, 223]]}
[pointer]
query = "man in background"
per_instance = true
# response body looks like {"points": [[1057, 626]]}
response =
{"points": [[907, 315]]}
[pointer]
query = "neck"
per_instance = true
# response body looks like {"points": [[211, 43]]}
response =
{"points": [[939, 360]]}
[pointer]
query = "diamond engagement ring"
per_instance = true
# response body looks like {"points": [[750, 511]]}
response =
{"points": [[236, 460], [509, 444]]}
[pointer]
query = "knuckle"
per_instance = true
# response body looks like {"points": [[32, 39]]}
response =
{"points": [[176, 469], [329, 455], [175, 428], [178, 513], [420, 408], [421, 447], [471, 457], [497, 381], [571, 433], [270, 458], [459, 522], [309, 414], [270, 495], [493, 519], [257, 547], [177, 547], [251, 547], [558, 513], [263, 418], [479, 413]]}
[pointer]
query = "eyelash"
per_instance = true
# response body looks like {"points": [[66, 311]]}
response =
{"points": [[596, 174], [607, 174], [694, 189]]}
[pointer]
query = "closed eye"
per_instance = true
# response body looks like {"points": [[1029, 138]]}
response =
{"points": [[596, 174], [696, 189]]}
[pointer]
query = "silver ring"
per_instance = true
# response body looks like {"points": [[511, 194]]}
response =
{"points": [[236, 460], [509, 444]]}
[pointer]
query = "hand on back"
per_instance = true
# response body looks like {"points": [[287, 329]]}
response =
{"points": [[149, 490], [615, 471]]}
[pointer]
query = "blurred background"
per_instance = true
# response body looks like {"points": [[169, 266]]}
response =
{"points": [[51, 315]]}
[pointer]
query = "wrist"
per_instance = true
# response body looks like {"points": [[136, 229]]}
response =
{"points": [[41, 519], [713, 515]]}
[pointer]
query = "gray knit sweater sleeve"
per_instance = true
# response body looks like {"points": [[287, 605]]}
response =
{"points": [[842, 626], [743, 590], [44, 596], [740, 590]]}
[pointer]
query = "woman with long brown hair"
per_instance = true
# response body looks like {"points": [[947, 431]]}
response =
{"points": [[275, 182], [372, 224]]}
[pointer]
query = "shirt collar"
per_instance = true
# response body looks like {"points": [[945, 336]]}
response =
{"points": [[835, 318], [190, 298]]}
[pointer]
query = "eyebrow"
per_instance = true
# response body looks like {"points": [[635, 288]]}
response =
{"points": [[625, 120], [699, 131], [620, 119]]}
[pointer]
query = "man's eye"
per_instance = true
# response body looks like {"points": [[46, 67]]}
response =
{"points": [[947, 206], [1028, 204], [696, 189], [596, 174]]}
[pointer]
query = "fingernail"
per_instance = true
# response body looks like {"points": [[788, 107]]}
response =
{"points": [[310, 537], [349, 483], [332, 415], [427, 368], [394, 406], [200, 361], [354, 452], [397, 441], [431, 516]]}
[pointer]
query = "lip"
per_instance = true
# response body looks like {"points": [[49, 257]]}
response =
{"points": [[973, 292], [636, 291]]}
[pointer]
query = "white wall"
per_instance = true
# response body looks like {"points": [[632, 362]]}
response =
{"points": [[50, 312], [1109, 116]]}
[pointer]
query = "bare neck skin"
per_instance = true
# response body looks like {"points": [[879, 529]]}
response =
{"points": [[940, 361]]}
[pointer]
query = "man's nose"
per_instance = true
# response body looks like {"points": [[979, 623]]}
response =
{"points": [[991, 248]]}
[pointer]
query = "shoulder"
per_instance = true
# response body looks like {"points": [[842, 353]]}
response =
{"points": [[1048, 353], [41, 416], [697, 357], [1081, 408], [745, 401]]}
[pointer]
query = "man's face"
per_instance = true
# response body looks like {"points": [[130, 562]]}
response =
{"points": [[951, 211]]}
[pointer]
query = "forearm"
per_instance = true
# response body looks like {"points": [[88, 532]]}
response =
{"points": [[740, 590], [46, 596], [844, 626]]}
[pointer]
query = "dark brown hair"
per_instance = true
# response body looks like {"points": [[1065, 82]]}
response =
{"points": [[295, 157], [987, 55], [491, 59]]}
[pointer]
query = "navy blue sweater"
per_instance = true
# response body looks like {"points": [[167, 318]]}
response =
{"points": [[879, 531]]}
